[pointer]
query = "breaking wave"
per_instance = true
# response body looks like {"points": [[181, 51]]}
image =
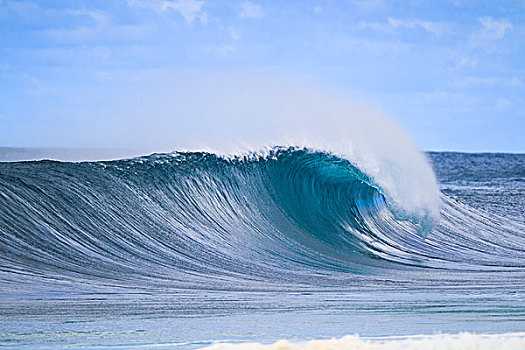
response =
{"points": [[288, 216]]}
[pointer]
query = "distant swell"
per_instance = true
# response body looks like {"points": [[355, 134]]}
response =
{"points": [[291, 217]]}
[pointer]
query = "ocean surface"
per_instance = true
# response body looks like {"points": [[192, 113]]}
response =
{"points": [[191, 249]]}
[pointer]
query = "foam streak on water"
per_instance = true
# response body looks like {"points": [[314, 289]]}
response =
{"points": [[511, 341]]}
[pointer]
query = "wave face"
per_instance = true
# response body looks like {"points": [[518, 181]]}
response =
{"points": [[286, 219]]}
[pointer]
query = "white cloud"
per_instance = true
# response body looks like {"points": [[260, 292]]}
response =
{"points": [[234, 33], [380, 26], [251, 10], [435, 28], [101, 32], [96, 16], [495, 28], [190, 10], [93, 27], [466, 62], [492, 30]]}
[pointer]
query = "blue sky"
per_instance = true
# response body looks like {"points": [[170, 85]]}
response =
{"points": [[452, 73]]}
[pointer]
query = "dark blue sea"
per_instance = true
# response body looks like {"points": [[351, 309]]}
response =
{"points": [[192, 249]]}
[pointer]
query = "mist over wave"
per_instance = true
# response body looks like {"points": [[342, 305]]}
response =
{"points": [[241, 112]]}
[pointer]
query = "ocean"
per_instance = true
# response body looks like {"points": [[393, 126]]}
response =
{"points": [[285, 246]]}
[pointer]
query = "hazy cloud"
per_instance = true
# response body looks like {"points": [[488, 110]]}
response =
{"points": [[22, 8], [503, 104], [223, 50], [233, 32], [473, 82], [251, 10], [190, 10], [370, 6], [435, 28], [492, 30], [466, 62], [100, 29]]}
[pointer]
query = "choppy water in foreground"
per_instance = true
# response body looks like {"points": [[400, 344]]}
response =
{"points": [[185, 250]]}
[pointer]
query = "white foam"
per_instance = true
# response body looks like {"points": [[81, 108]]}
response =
{"points": [[462, 341]]}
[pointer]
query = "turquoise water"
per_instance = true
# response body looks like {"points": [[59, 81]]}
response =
{"points": [[186, 249]]}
